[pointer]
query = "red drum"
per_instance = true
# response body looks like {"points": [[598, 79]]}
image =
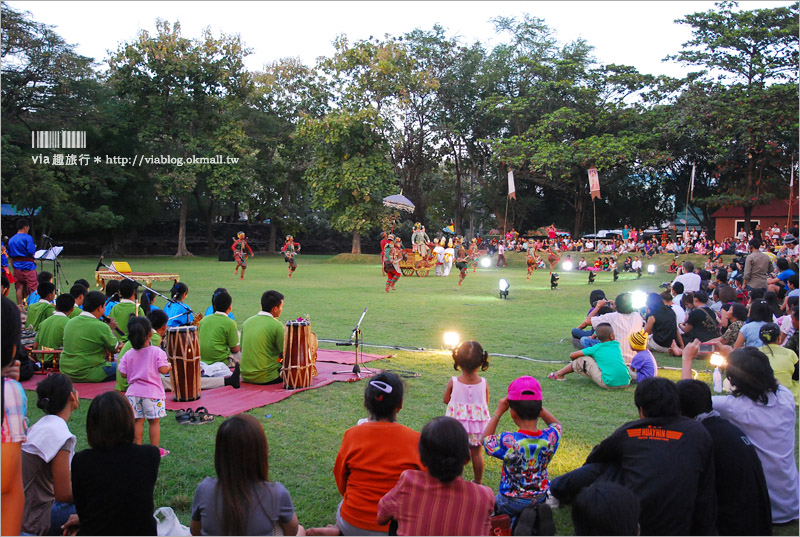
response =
{"points": [[183, 353], [299, 355]]}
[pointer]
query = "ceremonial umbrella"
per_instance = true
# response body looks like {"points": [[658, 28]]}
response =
{"points": [[398, 201]]}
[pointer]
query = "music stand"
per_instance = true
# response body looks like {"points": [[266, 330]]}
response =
{"points": [[51, 254], [355, 336]]}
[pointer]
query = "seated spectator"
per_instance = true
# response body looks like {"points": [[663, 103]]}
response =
{"points": [[371, 458], [603, 362], [664, 458], [605, 508], [41, 310], [113, 469], [210, 309], [778, 282], [439, 501], [743, 506], [782, 360], [687, 276], [594, 296], [46, 459], [701, 323], [242, 500], [525, 453], [35, 296], [624, 321], [662, 325], [673, 266], [759, 315], [643, 363], [765, 411], [733, 318]]}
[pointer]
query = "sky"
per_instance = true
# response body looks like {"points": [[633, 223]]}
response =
{"points": [[637, 33]]}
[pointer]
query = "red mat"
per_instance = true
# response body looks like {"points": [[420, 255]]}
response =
{"points": [[228, 401]]}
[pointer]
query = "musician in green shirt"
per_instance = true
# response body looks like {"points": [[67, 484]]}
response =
{"points": [[87, 339], [262, 342]]}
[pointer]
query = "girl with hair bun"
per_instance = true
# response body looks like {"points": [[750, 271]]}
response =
{"points": [[467, 399], [47, 457], [179, 313], [371, 458]]}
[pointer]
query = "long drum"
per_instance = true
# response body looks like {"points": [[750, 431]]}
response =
{"points": [[183, 353], [299, 355]]}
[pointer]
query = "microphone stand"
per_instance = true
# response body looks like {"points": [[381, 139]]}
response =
{"points": [[356, 335], [58, 271]]}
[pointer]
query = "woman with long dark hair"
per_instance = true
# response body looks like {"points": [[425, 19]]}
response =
{"points": [[241, 500]]}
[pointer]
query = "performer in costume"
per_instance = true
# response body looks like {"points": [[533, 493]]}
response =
{"points": [[290, 250], [4, 261], [531, 259], [552, 255], [392, 255], [438, 251], [462, 256], [449, 253], [420, 240], [384, 242], [473, 254], [239, 246]]}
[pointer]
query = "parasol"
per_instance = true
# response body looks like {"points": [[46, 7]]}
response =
{"points": [[399, 201]]}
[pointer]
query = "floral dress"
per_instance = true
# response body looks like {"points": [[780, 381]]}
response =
{"points": [[468, 405]]}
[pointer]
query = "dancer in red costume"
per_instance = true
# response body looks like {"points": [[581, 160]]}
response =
{"points": [[290, 250], [239, 254]]}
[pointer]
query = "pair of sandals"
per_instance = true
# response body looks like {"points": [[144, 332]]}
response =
{"points": [[193, 417]]}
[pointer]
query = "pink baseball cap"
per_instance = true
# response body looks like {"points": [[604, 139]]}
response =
{"points": [[525, 388]]}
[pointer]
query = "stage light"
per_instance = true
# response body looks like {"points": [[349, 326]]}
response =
{"points": [[504, 285], [716, 359], [651, 269], [567, 265], [486, 262], [638, 299], [451, 339]]}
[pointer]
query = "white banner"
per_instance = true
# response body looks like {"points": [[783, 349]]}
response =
{"points": [[512, 191]]}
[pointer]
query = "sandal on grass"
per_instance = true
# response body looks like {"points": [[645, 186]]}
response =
{"points": [[184, 416], [201, 416], [163, 452], [552, 376]]}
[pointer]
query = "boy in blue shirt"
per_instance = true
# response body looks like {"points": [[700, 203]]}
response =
{"points": [[643, 363], [526, 452]]}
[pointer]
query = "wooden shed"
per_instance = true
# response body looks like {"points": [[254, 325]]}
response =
{"points": [[729, 221]]}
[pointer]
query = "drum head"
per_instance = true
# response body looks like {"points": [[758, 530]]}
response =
{"points": [[297, 323], [181, 329]]}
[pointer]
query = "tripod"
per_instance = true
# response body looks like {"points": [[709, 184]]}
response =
{"points": [[355, 336]]}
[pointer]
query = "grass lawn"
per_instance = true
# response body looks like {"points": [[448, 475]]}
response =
{"points": [[305, 430]]}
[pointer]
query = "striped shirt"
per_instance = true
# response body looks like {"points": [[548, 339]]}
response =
{"points": [[423, 505], [15, 412]]}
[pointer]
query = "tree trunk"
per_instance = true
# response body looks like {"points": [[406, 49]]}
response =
{"points": [[273, 235], [356, 243], [182, 250], [579, 210], [748, 212]]}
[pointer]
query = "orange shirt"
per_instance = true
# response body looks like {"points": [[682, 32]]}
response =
{"points": [[369, 463]]}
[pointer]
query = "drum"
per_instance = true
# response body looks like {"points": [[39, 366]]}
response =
{"points": [[299, 355], [183, 353]]}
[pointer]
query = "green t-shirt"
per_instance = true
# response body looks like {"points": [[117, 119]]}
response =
{"points": [[39, 312], [262, 347], [86, 340], [121, 312], [51, 332], [782, 361], [122, 382], [77, 310], [608, 356], [217, 334]]}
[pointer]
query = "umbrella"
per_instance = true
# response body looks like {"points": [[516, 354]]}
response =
{"points": [[398, 201]]}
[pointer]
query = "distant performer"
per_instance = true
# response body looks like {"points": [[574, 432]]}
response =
{"points": [[420, 240], [385, 239], [473, 254], [553, 256], [438, 251], [393, 255], [449, 253], [532, 260], [462, 256], [239, 254], [290, 250]]}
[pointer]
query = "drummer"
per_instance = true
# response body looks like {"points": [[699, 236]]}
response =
{"points": [[262, 342], [87, 341]]}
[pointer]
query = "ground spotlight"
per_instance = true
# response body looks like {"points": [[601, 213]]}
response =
{"points": [[567, 265], [554, 277], [651, 269], [638, 299], [486, 262], [504, 285], [591, 277], [451, 339]]}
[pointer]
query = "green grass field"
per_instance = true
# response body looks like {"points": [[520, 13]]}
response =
{"points": [[305, 430]]}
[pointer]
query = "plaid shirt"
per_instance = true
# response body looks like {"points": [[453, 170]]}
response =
{"points": [[15, 412]]}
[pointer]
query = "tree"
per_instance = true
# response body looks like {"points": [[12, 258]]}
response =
{"points": [[182, 97], [349, 171]]}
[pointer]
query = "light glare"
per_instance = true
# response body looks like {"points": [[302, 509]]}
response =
{"points": [[567, 265], [638, 299], [651, 269], [503, 284], [486, 262], [716, 359], [451, 339]]}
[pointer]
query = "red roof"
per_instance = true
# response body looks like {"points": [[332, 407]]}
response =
{"points": [[776, 208]]}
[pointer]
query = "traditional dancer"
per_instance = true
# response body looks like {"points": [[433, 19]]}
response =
{"points": [[462, 256], [449, 253], [239, 254], [420, 240], [438, 251], [532, 260], [384, 241], [473, 254], [289, 250], [552, 255], [392, 255]]}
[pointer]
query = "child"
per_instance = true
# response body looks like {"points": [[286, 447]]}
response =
{"points": [[643, 363], [78, 292], [141, 366], [783, 360], [603, 362], [42, 277], [51, 331], [112, 296], [41, 310], [178, 313], [125, 308], [467, 398], [210, 309], [525, 453], [582, 264]]}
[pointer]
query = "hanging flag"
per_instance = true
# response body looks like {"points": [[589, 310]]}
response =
{"points": [[791, 181], [512, 191], [691, 185], [594, 183]]}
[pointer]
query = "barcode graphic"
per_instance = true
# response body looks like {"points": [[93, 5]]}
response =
{"points": [[58, 139]]}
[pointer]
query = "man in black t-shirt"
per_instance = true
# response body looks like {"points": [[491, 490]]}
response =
{"points": [[701, 323], [664, 458]]}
